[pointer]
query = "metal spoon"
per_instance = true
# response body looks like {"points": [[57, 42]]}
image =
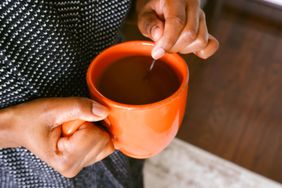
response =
{"points": [[150, 69], [152, 65]]}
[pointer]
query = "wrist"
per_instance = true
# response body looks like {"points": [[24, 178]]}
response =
{"points": [[8, 129]]}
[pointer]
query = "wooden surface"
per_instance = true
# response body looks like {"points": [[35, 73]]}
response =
{"points": [[235, 106], [235, 99]]}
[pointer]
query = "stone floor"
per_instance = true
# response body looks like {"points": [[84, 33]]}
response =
{"points": [[182, 165]]}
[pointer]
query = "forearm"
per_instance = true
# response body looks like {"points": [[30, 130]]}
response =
{"points": [[8, 131]]}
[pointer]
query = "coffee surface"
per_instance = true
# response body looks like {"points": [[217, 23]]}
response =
{"points": [[129, 81]]}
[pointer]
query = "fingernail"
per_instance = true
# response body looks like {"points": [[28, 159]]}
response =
{"points": [[157, 52], [156, 33], [99, 110]]}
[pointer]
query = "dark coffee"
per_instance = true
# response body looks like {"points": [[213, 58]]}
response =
{"points": [[129, 81]]}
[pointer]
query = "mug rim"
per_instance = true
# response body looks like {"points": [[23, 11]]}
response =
{"points": [[120, 105]]}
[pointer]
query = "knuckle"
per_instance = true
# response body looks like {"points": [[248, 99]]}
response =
{"points": [[64, 167], [77, 100], [189, 35], [196, 3], [178, 20], [202, 13], [202, 42], [145, 23], [78, 104], [141, 28], [169, 44], [69, 174], [202, 54], [49, 112]]}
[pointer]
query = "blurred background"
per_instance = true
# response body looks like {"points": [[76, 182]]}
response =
{"points": [[234, 107]]}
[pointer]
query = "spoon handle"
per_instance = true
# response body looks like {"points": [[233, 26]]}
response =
{"points": [[152, 65]]}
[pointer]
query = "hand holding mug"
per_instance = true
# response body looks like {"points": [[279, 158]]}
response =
{"points": [[36, 125]]}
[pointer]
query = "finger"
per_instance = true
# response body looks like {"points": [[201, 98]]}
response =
{"points": [[202, 38], [193, 17], [94, 157], [150, 25], [191, 29], [175, 20], [75, 149], [67, 164], [212, 47], [67, 109], [87, 136], [68, 128]]}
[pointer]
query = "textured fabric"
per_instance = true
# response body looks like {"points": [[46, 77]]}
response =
{"points": [[45, 49]]}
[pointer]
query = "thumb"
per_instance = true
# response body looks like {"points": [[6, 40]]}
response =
{"points": [[73, 108], [150, 25]]}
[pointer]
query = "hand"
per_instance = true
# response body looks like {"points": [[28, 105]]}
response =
{"points": [[36, 126], [176, 26]]}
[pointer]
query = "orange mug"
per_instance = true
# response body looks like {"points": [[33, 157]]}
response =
{"points": [[138, 131]]}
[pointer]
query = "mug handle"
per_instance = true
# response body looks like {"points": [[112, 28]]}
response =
{"points": [[68, 128]]}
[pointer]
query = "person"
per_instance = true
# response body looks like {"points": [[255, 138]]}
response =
{"points": [[45, 49]]}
